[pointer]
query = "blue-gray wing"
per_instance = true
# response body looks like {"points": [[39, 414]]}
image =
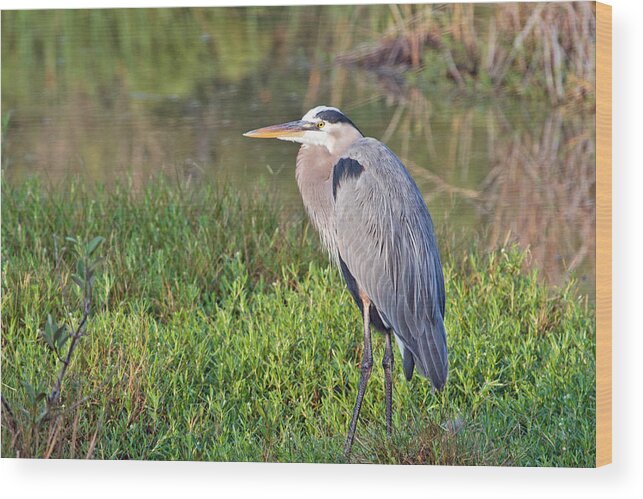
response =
{"points": [[386, 242]]}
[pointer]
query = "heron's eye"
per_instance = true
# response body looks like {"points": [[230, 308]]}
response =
{"points": [[320, 124]]}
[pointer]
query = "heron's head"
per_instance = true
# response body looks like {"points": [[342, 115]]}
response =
{"points": [[321, 126]]}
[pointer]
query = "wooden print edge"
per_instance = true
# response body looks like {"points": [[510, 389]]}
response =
{"points": [[603, 234]]}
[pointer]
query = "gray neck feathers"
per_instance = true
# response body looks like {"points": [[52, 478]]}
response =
{"points": [[314, 175]]}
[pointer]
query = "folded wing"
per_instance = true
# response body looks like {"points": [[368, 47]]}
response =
{"points": [[386, 243]]}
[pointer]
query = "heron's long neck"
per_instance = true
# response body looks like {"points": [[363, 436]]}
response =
{"points": [[314, 175]]}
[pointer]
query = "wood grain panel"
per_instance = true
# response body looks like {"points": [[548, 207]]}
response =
{"points": [[603, 234]]}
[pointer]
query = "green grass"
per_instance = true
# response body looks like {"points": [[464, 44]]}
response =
{"points": [[219, 332]]}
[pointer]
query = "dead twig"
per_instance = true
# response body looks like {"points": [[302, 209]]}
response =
{"points": [[9, 417]]}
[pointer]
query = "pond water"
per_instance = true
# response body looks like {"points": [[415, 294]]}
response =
{"points": [[106, 95]]}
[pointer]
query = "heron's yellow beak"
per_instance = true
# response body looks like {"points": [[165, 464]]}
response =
{"points": [[285, 130]]}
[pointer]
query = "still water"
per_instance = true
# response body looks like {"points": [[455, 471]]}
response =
{"points": [[107, 95]]}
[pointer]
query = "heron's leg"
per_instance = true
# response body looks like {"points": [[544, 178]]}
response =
{"points": [[387, 364], [367, 364]]}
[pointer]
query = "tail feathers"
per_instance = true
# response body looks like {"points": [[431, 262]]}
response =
{"points": [[429, 356]]}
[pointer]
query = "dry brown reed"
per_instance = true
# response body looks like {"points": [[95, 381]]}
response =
{"points": [[518, 46]]}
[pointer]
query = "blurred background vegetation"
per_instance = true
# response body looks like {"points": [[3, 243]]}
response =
{"points": [[490, 106]]}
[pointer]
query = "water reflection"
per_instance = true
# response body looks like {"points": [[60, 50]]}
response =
{"points": [[109, 94], [541, 188]]}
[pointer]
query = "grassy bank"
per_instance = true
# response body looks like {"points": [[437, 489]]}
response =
{"points": [[219, 332]]}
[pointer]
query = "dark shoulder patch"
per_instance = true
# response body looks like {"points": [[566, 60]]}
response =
{"points": [[345, 168]]}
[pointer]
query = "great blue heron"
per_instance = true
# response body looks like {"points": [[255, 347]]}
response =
{"points": [[376, 227]]}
